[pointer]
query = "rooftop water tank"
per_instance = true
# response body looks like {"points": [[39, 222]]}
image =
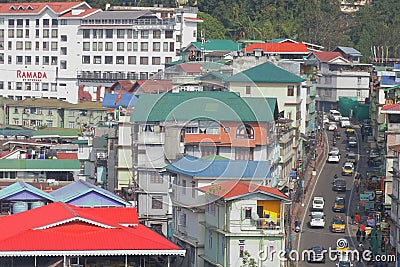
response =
{"points": [[19, 207]]}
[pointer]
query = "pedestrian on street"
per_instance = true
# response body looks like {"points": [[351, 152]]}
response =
{"points": [[358, 234], [357, 217]]}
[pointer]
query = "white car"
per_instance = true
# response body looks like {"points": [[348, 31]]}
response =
{"points": [[333, 157], [317, 219], [344, 122], [332, 126], [318, 203], [325, 119], [334, 115]]}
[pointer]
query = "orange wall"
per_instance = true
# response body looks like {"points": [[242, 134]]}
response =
{"points": [[271, 207]]}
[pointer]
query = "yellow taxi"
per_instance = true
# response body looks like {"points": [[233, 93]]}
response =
{"points": [[348, 168], [338, 225], [350, 130]]}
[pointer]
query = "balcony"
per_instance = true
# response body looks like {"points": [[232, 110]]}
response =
{"points": [[151, 138], [393, 127], [272, 226]]}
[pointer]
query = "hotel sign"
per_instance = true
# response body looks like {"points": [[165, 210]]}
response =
{"points": [[31, 76]]}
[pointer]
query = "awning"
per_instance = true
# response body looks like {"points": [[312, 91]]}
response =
{"points": [[391, 88]]}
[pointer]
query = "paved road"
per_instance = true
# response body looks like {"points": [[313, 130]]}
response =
{"points": [[310, 237]]}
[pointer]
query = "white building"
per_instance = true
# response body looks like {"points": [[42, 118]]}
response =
{"points": [[51, 49]]}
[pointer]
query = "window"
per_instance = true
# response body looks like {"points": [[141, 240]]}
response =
{"points": [[86, 46], [63, 51], [144, 34], [19, 60], [11, 22], [156, 46], [135, 46], [244, 131], [36, 87], [129, 46], [53, 89], [54, 46], [20, 33], [86, 33], [36, 60], [9, 60], [156, 61], [247, 213], [244, 153], [71, 124], [358, 79], [120, 33], [290, 90], [45, 46], [169, 34], [19, 45], [183, 187], [63, 64], [210, 238], [182, 219], [97, 60], [178, 38], [46, 60], [54, 60], [144, 61], [131, 60], [19, 86], [10, 86], [109, 46], [120, 46], [129, 33], [168, 59], [108, 60], [120, 59], [49, 123], [54, 22], [109, 33], [135, 34], [28, 86], [54, 33], [45, 87], [171, 47], [28, 45], [94, 46], [156, 178], [27, 33], [156, 34], [97, 34], [28, 60], [100, 46], [86, 59], [37, 46], [64, 38], [46, 23], [37, 23], [144, 46], [1, 58], [210, 208], [10, 33], [248, 89], [157, 202], [37, 33], [46, 33]]}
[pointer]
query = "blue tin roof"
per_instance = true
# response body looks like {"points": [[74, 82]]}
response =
{"points": [[389, 81], [127, 101], [23, 191], [192, 166]]}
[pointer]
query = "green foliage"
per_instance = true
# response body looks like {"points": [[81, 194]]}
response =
{"points": [[248, 261], [212, 28]]}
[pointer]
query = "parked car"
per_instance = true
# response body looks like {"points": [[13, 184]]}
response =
{"points": [[339, 204], [317, 254], [317, 219], [332, 126], [348, 168], [339, 185], [333, 156], [338, 225], [318, 203], [344, 122]]}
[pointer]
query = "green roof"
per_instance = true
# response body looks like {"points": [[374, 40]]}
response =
{"points": [[218, 45], [216, 74], [276, 40], [177, 62], [80, 141], [214, 157], [187, 106], [56, 132], [39, 165], [266, 73]]}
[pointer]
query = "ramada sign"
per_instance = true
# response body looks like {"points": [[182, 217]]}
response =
{"points": [[31, 76]]}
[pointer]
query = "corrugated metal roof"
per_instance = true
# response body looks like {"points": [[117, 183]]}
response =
{"points": [[221, 168], [39, 165], [348, 50], [21, 186], [119, 15], [267, 73], [216, 44], [187, 106], [127, 101], [60, 132]]}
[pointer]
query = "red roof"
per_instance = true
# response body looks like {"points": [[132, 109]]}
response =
{"points": [[287, 47], [152, 86], [234, 189], [190, 67], [37, 7], [66, 155], [60, 228], [328, 56], [85, 13], [392, 107]]}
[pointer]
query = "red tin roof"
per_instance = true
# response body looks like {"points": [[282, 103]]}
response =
{"points": [[278, 47]]}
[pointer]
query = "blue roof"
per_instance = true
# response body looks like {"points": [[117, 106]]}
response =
{"points": [[396, 66], [127, 101], [21, 186], [389, 81], [79, 188], [192, 166]]}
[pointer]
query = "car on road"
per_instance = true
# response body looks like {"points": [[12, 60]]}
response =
{"points": [[351, 157], [332, 126], [348, 168], [352, 141], [339, 204], [325, 119], [316, 254], [338, 225], [318, 203], [344, 261], [339, 185], [334, 115], [317, 219], [344, 122], [333, 156]]}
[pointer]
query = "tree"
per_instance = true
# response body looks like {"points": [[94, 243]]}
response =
{"points": [[247, 260], [212, 28]]}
